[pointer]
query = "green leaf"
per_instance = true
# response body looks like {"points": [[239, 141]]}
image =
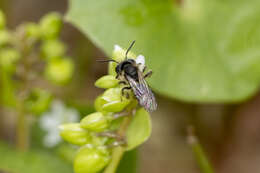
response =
{"points": [[39, 161], [206, 51], [129, 162], [139, 129]]}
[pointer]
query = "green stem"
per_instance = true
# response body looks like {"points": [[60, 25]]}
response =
{"points": [[199, 153], [22, 130], [118, 152], [117, 155]]}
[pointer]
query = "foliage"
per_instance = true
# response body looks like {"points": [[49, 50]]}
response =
{"points": [[201, 51], [31, 55], [40, 161]]}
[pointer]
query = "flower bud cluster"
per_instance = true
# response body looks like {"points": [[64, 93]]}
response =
{"points": [[31, 52], [94, 154]]}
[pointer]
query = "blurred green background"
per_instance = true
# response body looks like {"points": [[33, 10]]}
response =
{"points": [[205, 58]]}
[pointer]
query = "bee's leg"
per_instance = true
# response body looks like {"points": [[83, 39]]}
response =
{"points": [[117, 76], [144, 69], [122, 82], [119, 140], [125, 93], [119, 115], [148, 74]]}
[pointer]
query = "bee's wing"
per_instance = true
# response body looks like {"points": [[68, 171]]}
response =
{"points": [[143, 93]]}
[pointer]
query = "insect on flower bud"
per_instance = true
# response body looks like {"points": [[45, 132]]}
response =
{"points": [[90, 159], [108, 81], [51, 25], [95, 122], [114, 101], [74, 134]]}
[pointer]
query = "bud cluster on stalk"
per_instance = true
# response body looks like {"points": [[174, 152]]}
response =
{"points": [[95, 149], [30, 53]]}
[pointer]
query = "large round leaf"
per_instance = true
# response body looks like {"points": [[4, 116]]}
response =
{"points": [[200, 50]]}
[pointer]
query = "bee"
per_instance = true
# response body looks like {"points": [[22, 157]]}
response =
{"points": [[130, 72]]}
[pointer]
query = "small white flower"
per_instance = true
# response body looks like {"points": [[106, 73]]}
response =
{"points": [[49, 121], [140, 60]]}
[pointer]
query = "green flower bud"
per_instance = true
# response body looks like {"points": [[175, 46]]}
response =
{"points": [[112, 68], [99, 102], [4, 37], [107, 81], [115, 102], [38, 101], [90, 160], [2, 20], [95, 122], [51, 25], [32, 30], [74, 134], [8, 57], [52, 49], [59, 71]]}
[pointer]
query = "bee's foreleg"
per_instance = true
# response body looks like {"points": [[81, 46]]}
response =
{"points": [[121, 114], [124, 93], [122, 82], [144, 69], [148, 74]]}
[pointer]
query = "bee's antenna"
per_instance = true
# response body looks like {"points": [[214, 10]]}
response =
{"points": [[129, 49], [107, 60]]}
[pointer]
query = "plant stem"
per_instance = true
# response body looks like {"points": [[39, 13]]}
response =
{"points": [[22, 129], [118, 152], [199, 153]]}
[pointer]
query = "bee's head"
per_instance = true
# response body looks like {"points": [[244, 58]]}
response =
{"points": [[122, 65]]}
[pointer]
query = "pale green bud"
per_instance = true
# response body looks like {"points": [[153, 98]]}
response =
{"points": [[119, 54], [107, 81], [90, 159], [98, 104], [51, 25], [59, 71], [115, 102], [53, 49], [38, 101], [74, 134], [8, 57], [32, 30], [5, 37], [95, 122]]}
